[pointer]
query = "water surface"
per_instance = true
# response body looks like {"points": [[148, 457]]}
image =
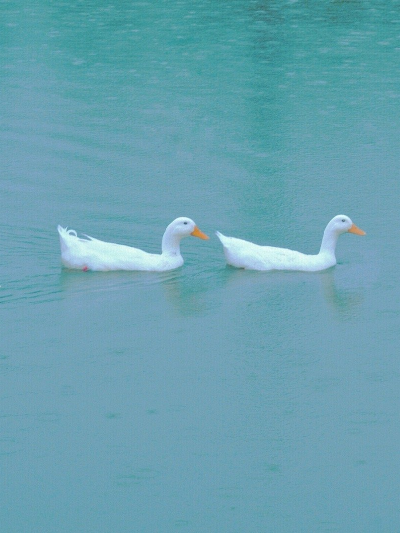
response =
{"points": [[204, 399]]}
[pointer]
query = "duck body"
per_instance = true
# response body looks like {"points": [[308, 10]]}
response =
{"points": [[93, 254], [244, 254]]}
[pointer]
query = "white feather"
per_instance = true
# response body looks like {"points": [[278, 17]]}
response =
{"points": [[244, 254], [93, 254]]}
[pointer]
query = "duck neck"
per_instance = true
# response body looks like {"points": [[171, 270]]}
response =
{"points": [[171, 243], [329, 241]]}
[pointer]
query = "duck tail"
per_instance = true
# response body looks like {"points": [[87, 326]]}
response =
{"points": [[65, 235], [220, 236], [65, 231]]}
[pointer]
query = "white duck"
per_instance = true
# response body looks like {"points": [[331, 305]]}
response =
{"points": [[92, 254], [244, 254]]}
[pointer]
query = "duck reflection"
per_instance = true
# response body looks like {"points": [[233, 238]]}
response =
{"points": [[76, 281], [343, 301], [192, 292], [183, 291], [330, 284]]}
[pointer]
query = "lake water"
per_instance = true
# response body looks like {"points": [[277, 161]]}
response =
{"points": [[206, 399]]}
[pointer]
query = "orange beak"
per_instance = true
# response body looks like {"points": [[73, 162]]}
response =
{"points": [[356, 230], [197, 233]]}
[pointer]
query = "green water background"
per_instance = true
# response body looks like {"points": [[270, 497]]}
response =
{"points": [[205, 399]]}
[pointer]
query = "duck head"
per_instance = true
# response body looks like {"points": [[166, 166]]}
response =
{"points": [[183, 227], [342, 224]]}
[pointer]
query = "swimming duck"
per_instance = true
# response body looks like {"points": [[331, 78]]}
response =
{"points": [[92, 254], [244, 254]]}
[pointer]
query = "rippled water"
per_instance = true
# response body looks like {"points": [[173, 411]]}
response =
{"points": [[207, 398]]}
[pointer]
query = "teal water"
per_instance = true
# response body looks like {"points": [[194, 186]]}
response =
{"points": [[206, 399]]}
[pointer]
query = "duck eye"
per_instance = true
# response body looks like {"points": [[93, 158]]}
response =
{"points": [[185, 222], [343, 220]]}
